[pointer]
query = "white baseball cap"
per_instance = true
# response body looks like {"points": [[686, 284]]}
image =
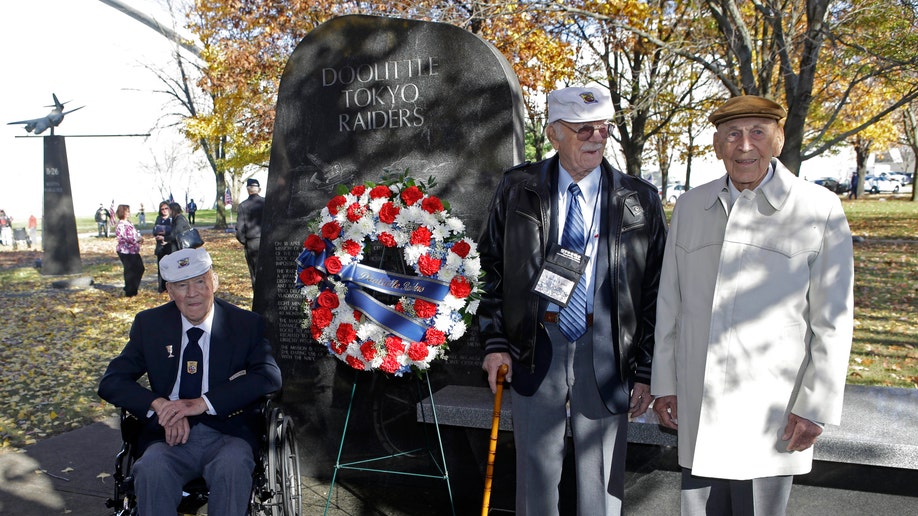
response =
{"points": [[184, 264], [579, 104]]}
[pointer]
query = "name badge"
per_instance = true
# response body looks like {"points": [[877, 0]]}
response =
{"points": [[560, 274]]}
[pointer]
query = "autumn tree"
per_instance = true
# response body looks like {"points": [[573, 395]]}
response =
{"points": [[910, 132], [817, 54], [622, 46]]}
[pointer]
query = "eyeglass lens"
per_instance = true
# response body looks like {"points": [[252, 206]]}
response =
{"points": [[585, 132]]}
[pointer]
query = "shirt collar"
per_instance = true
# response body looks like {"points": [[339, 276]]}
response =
{"points": [[589, 185], [205, 325]]}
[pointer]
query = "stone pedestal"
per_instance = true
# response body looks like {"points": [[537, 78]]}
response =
{"points": [[61, 246]]}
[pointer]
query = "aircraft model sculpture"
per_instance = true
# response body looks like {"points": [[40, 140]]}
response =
{"points": [[52, 119]]}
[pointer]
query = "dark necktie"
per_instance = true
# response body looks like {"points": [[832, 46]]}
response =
{"points": [[192, 366], [572, 319]]}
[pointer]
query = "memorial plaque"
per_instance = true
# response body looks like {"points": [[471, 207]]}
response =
{"points": [[61, 246], [362, 96]]}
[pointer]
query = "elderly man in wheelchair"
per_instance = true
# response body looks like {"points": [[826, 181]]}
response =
{"points": [[209, 367]]}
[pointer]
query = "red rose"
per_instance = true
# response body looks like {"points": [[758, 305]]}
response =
{"points": [[434, 337], [333, 264], [310, 276], [321, 317], [328, 299], [357, 315], [424, 309], [355, 363], [346, 333], [358, 190], [428, 266], [417, 351], [355, 212], [411, 195], [352, 248], [432, 205], [461, 248], [380, 192], [368, 350], [421, 236], [387, 239], [389, 364], [394, 346], [335, 204], [315, 331], [338, 347], [460, 287], [331, 230], [388, 212], [399, 308], [314, 243]]}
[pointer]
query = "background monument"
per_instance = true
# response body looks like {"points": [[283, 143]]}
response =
{"points": [[59, 235], [361, 96]]}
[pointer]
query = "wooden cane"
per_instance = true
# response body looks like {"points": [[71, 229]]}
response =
{"points": [[492, 449]]}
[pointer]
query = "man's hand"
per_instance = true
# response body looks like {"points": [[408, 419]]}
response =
{"points": [[666, 410], [178, 432], [492, 363], [801, 431], [172, 416], [640, 399]]}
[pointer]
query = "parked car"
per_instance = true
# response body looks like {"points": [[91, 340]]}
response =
{"points": [[877, 184], [898, 177], [673, 192], [834, 185]]}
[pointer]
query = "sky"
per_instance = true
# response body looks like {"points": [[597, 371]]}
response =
{"points": [[91, 55]]}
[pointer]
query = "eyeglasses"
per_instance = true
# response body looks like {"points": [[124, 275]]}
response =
{"points": [[585, 132]]}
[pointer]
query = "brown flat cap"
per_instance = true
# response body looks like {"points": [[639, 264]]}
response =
{"points": [[747, 106]]}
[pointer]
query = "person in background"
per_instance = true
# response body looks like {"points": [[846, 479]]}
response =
{"points": [[852, 193], [6, 228], [192, 209], [162, 231], [128, 241], [208, 365], [102, 219], [754, 320], [33, 229], [248, 225], [179, 225], [142, 217], [571, 254]]}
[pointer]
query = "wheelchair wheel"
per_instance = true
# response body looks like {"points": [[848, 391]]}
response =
{"points": [[283, 465], [292, 490]]}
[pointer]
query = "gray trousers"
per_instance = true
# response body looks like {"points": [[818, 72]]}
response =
{"points": [[600, 438], [224, 461], [765, 496]]}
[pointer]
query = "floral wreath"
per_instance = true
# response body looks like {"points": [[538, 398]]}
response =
{"points": [[435, 306]]}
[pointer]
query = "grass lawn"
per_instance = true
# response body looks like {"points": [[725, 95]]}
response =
{"points": [[56, 343]]}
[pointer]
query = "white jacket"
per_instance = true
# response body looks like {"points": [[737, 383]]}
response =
{"points": [[754, 320]]}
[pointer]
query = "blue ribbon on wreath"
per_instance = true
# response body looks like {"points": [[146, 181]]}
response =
{"points": [[357, 277]]}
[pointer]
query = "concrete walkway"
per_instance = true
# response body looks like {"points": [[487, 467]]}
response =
{"points": [[70, 474]]}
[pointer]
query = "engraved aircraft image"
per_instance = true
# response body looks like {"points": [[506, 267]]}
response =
{"points": [[52, 119]]}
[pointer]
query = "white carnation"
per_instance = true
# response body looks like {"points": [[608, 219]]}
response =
{"points": [[458, 330]]}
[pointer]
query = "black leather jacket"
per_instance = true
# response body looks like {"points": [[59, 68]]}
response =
{"points": [[513, 245]]}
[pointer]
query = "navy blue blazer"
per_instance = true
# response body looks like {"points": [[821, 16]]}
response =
{"points": [[242, 370]]}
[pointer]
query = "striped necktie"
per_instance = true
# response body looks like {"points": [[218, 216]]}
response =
{"points": [[572, 319]]}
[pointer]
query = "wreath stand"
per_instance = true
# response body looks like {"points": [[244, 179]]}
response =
{"points": [[364, 465]]}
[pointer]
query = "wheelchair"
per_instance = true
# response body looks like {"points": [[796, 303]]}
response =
{"points": [[276, 488]]}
